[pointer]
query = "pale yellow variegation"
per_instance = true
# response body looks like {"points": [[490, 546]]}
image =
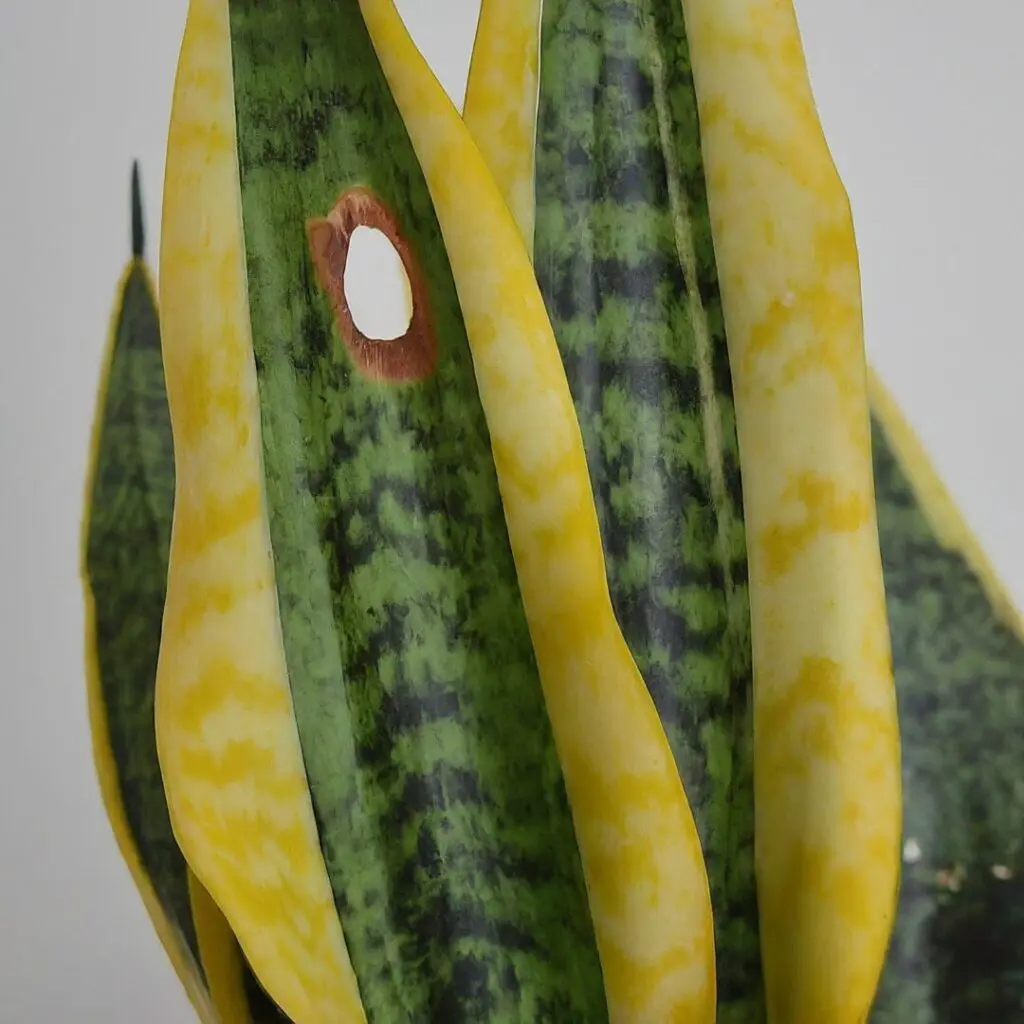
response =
{"points": [[827, 785], [227, 739], [501, 101]]}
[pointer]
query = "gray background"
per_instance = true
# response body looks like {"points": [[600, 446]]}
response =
{"points": [[922, 107]]}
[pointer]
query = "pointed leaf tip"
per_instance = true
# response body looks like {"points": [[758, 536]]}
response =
{"points": [[138, 227]]}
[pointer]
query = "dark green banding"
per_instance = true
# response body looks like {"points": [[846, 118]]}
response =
{"points": [[127, 544], [957, 955], [439, 797], [624, 256]]}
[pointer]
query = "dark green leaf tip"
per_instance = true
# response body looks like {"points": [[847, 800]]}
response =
{"points": [[138, 228]]}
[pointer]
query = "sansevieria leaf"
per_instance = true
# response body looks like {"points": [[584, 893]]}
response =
{"points": [[624, 258], [827, 763], [127, 524], [645, 878], [404, 744], [353, 734], [126, 533], [624, 253], [961, 845], [540, 659], [958, 651]]}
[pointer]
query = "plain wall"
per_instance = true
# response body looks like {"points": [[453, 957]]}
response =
{"points": [[921, 105]]}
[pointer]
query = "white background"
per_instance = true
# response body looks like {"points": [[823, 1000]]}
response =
{"points": [[922, 106]]}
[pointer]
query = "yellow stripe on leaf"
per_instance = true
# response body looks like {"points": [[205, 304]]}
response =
{"points": [[827, 772], [227, 739], [501, 101]]}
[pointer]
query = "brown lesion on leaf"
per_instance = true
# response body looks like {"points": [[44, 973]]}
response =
{"points": [[411, 357]]}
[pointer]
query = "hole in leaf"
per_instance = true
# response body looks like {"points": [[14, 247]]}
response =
{"points": [[393, 339], [377, 286]]}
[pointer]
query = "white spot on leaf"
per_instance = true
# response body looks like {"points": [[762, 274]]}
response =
{"points": [[377, 286]]}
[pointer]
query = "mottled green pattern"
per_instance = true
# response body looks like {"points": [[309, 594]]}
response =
{"points": [[126, 564], [441, 806], [957, 956], [624, 256]]}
